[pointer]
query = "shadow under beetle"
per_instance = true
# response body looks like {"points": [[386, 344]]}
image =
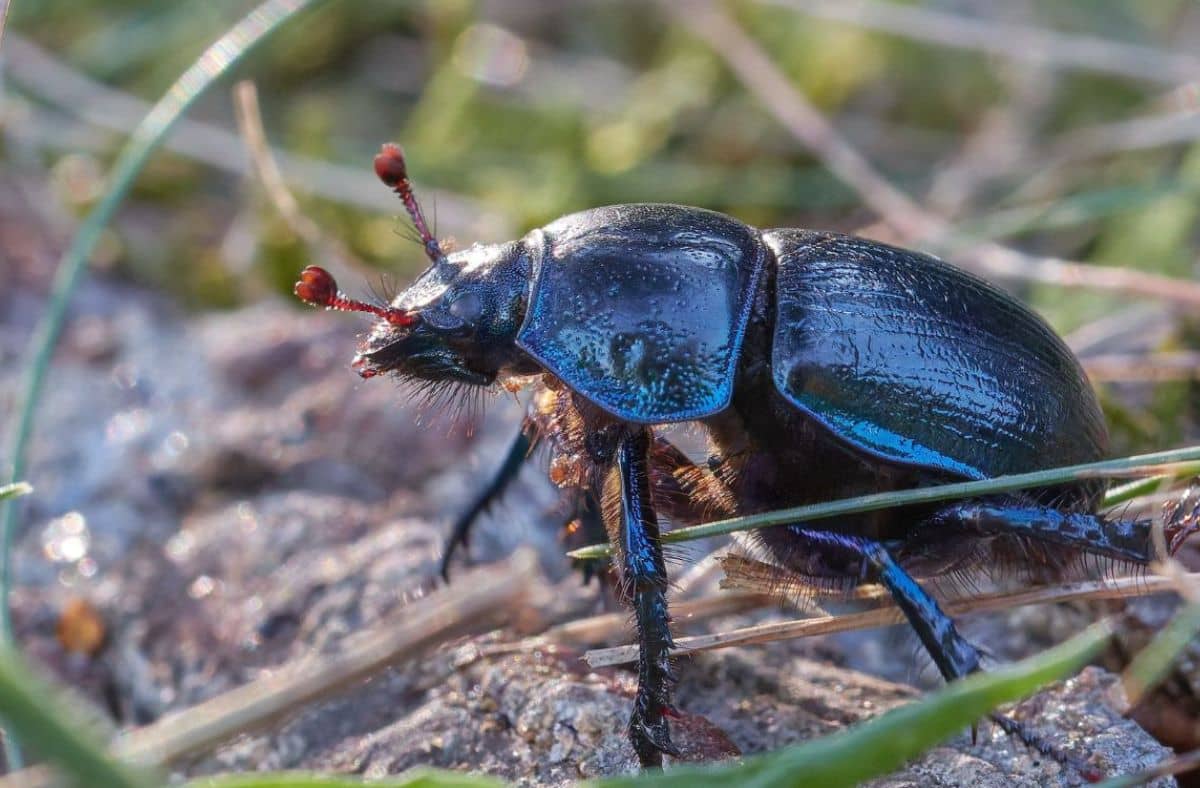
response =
{"points": [[819, 365]]}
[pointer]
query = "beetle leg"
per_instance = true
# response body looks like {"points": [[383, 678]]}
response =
{"points": [[684, 492], [644, 579], [517, 452], [585, 525], [1126, 540], [954, 656]]}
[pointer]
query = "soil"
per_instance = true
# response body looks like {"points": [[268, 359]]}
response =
{"points": [[221, 494]]}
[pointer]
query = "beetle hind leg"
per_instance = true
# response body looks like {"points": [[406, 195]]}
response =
{"points": [[1037, 743], [953, 654], [1121, 540]]}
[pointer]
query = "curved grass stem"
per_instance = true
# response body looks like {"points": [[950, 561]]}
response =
{"points": [[1159, 464]]}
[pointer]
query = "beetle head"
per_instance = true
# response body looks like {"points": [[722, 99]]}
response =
{"points": [[457, 323]]}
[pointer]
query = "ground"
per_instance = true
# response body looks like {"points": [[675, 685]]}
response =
{"points": [[227, 496]]}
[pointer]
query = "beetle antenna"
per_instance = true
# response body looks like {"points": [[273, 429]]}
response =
{"points": [[392, 170], [318, 287]]}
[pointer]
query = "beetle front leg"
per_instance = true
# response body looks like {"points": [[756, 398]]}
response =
{"points": [[514, 458], [644, 580]]}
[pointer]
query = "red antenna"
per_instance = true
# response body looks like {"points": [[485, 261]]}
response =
{"points": [[391, 169], [318, 287]]}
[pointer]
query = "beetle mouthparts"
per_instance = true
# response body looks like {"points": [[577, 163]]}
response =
{"points": [[359, 365], [318, 287]]}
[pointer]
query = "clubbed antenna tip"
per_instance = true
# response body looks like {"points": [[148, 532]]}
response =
{"points": [[392, 170], [390, 166], [318, 287]]}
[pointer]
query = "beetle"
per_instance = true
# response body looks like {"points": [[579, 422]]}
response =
{"points": [[818, 365]]}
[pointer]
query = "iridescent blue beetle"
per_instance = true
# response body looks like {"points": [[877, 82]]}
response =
{"points": [[820, 366]]}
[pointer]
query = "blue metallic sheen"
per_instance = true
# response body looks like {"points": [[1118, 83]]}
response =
{"points": [[915, 361], [644, 577], [642, 308], [1123, 540]]}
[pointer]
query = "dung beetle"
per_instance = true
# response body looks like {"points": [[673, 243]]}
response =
{"points": [[818, 365]]}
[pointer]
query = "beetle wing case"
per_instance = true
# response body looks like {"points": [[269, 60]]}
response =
{"points": [[642, 308], [914, 360]]}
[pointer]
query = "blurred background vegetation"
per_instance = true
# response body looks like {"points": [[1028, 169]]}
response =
{"points": [[1065, 129]]}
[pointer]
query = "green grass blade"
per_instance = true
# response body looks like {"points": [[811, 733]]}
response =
{"points": [[14, 490], [1152, 663], [1147, 670], [883, 744], [28, 706], [216, 61], [1151, 484], [868, 750], [945, 492]]}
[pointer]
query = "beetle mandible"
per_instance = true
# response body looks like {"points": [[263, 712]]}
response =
{"points": [[819, 366]]}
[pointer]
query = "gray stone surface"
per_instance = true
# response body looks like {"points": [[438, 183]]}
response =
{"points": [[247, 500]]}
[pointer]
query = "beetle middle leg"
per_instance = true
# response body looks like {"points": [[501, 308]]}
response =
{"points": [[584, 525], [954, 656]]}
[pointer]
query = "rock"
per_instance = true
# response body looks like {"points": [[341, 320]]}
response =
{"points": [[538, 718], [247, 500]]}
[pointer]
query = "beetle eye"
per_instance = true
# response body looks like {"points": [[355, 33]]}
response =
{"points": [[466, 307]]}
